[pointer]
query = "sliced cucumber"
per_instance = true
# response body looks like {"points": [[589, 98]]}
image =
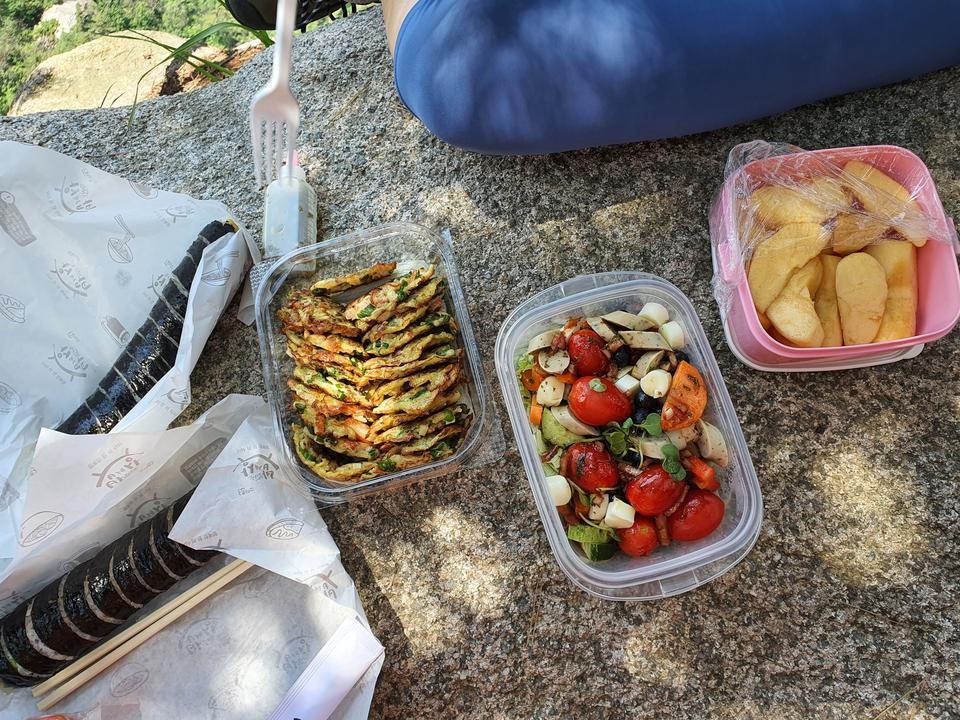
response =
{"points": [[596, 552], [556, 434], [589, 534]]}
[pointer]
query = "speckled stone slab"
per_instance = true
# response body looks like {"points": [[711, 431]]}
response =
{"points": [[848, 606]]}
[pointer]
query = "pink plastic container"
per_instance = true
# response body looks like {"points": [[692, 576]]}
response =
{"points": [[938, 276]]}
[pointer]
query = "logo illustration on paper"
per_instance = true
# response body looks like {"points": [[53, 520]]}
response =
{"points": [[39, 526], [127, 678], [115, 329], [71, 277], [147, 509], [219, 272], [216, 548], [157, 283], [119, 247], [199, 634], [257, 466], [285, 529], [122, 278], [10, 399], [327, 584], [8, 496], [178, 212], [88, 552], [227, 700], [295, 654], [69, 359], [13, 222], [74, 197], [144, 191], [12, 309], [117, 470], [195, 466], [179, 396]]}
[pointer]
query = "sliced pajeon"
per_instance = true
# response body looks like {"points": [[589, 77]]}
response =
{"points": [[323, 404], [411, 352], [436, 356], [304, 312], [387, 344], [352, 280], [331, 386], [381, 397], [374, 305], [417, 399], [422, 427], [401, 320]]}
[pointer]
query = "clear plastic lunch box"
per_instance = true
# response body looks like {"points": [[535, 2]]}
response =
{"points": [[680, 566], [408, 244], [938, 277]]}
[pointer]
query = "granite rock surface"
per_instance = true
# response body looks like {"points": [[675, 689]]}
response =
{"points": [[847, 607]]}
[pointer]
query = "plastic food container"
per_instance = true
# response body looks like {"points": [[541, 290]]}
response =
{"points": [[938, 278], [680, 566], [405, 243]]}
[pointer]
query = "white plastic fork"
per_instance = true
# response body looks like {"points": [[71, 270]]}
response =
{"points": [[274, 112]]}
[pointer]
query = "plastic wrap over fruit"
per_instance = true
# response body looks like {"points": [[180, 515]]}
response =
{"points": [[782, 208]]}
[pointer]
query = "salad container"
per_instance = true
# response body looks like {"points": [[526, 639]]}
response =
{"points": [[938, 278], [680, 566], [408, 244]]}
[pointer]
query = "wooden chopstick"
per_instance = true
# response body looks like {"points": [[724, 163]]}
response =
{"points": [[93, 663]]}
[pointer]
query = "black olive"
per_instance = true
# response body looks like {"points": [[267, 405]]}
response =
{"points": [[642, 400], [633, 457], [639, 415], [622, 356], [681, 356]]}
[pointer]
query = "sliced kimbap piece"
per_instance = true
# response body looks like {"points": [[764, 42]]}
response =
{"points": [[116, 391], [49, 625], [148, 568], [18, 642], [82, 421]]}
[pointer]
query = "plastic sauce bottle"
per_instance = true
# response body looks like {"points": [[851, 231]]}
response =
{"points": [[290, 214]]}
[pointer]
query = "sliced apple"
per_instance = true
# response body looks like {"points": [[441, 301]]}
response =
{"points": [[899, 262], [861, 297], [883, 196], [825, 302], [854, 231], [793, 313], [777, 205], [776, 258]]}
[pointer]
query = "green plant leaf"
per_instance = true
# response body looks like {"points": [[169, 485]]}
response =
{"points": [[651, 425]]}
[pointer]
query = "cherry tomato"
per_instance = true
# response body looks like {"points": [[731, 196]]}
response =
{"points": [[640, 538], [587, 354], [597, 401], [589, 466], [698, 516], [653, 491]]}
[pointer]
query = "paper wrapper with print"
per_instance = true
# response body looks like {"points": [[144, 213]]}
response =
{"points": [[236, 655], [87, 490], [85, 256]]}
